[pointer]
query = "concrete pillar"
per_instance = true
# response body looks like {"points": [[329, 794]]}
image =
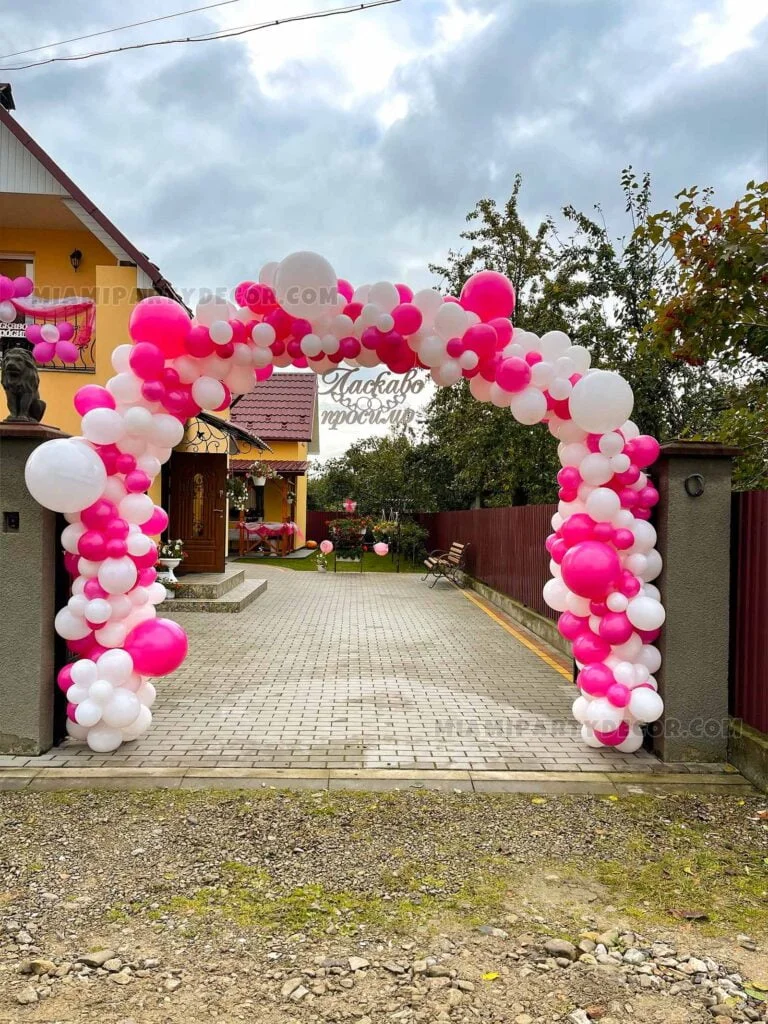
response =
{"points": [[28, 552], [694, 527]]}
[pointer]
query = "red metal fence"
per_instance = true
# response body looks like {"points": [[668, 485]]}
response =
{"points": [[749, 609], [506, 545]]}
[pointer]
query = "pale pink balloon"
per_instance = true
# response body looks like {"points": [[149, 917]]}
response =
{"points": [[381, 548], [326, 546]]}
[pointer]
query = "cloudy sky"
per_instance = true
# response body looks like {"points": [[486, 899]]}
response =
{"points": [[369, 136]]}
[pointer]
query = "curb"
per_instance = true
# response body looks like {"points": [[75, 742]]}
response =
{"points": [[552, 783]]}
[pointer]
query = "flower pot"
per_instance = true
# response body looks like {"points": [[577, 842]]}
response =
{"points": [[169, 565], [259, 480], [322, 568], [170, 595]]}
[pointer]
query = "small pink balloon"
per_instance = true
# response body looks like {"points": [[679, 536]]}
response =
{"points": [[513, 375], [67, 352], [71, 709], [125, 462], [117, 529], [643, 450], [116, 547], [503, 328], [455, 348], [64, 678], [346, 290], [66, 330], [99, 514], [93, 396], [595, 679], [588, 648], [157, 523], [615, 737], [199, 342], [94, 589], [32, 334], [23, 287], [44, 351], [6, 288], [616, 628], [381, 548], [92, 546], [619, 695], [408, 318], [147, 361], [264, 373], [146, 561], [146, 577], [137, 482], [482, 339], [153, 390], [326, 546], [570, 626], [405, 293], [623, 539]]}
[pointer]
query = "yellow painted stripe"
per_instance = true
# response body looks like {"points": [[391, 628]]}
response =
{"points": [[538, 651]]}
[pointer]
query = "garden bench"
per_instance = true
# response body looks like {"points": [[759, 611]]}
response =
{"points": [[446, 564]]}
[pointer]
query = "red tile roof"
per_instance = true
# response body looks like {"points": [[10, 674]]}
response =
{"points": [[279, 409]]}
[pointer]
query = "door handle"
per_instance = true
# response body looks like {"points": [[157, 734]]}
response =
{"points": [[219, 511]]}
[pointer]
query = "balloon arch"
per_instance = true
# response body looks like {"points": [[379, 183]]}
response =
{"points": [[300, 314]]}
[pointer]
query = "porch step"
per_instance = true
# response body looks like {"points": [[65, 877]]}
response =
{"points": [[209, 585], [234, 600]]}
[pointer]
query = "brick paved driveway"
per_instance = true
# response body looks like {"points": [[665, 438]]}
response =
{"points": [[350, 671]]}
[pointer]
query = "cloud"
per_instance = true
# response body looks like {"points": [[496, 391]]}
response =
{"points": [[369, 137]]}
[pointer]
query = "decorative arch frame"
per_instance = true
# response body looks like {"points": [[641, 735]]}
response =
{"points": [[299, 313]]}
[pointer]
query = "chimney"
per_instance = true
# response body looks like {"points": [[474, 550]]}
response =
{"points": [[6, 96]]}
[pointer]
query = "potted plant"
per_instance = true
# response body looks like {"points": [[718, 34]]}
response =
{"points": [[321, 562], [171, 586], [171, 555], [347, 537], [261, 471], [237, 493]]}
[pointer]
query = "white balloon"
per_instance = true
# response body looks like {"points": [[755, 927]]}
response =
{"points": [[188, 368], [147, 694], [499, 397], [75, 732], [212, 309], [633, 741], [263, 357], [528, 406], [385, 295], [69, 626], [113, 634], [156, 593], [645, 536], [121, 605], [78, 692], [645, 613], [341, 326], [263, 335], [114, 491], [601, 401], [118, 575], [306, 285], [101, 691], [542, 374], [645, 705], [125, 387], [576, 605], [596, 470], [70, 535], [133, 445], [611, 443], [630, 430], [624, 673], [450, 321], [98, 610], [432, 351], [572, 454], [267, 273], [446, 373], [580, 709], [428, 301], [480, 388], [221, 332], [166, 430], [650, 656], [555, 594], [653, 566], [560, 389], [139, 727], [89, 713], [617, 602], [208, 392], [138, 421], [620, 463], [636, 563], [121, 358], [102, 739], [604, 716], [651, 591], [136, 508], [83, 672], [554, 344], [602, 504], [588, 737], [87, 568], [103, 426], [580, 357], [65, 476], [122, 709]]}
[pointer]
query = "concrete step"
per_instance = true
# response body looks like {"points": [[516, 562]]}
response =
{"points": [[210, 585], [234, 600]]}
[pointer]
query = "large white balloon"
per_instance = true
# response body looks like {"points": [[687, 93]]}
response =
{"points": [[65, 476], [306, 285], [645, 613], [601, 401], [103, 426], [528, 406], [450, 321], [102, 739], [117, 575], [166, 430], [122, 709], [208, 392]]}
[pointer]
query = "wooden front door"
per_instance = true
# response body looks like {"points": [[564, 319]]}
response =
{"points": [[198, 491]]}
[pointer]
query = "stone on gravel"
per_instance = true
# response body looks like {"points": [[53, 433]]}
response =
{"points": [[113, 965], [24, 938], [523, 1018], [465, 986], [172, 984], [40, 967], [438, 971], [562, 948], [393, 968], [635, 956], [608, 938], [578, 1017], [26, 995], [495, 933], [96, 959], [289, 987], [357, 963]]}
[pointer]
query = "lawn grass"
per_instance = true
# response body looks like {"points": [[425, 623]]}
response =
{"points": [[371, 563]]}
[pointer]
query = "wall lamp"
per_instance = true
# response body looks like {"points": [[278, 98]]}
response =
{"points": [[75, 258]]}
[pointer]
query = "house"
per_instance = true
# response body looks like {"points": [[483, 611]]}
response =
{"points": [[51, 232], [282, 410]]}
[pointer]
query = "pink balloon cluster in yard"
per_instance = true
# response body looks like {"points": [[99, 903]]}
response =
{"points": [[299, 313]]}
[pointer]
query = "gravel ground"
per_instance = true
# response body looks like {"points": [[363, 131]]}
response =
{"points": [[170, 906]]}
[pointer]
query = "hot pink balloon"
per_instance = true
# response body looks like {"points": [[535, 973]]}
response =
{"points": [[482, 339], [99, 514], [591, 569], [264, 373], [93, 396], [147, 360], [513, 375], [346, 290], [326, 546], [570, 626], [615, 737], [163, 322], [157, 646], [92, 546], [408, 318], [643, 450], [146, 561], [595, 679], [116, 547], [117, 529], [405, 293], [616, 628], [619, 695], [22, 287], [71, 709], [137, 481], [146, 577], [64, 678], [489, 294], [44, 351], [588, 648], [94, 589], [503, 328], [199, 342], [577, 528], [7, 289], [157, 522], [67, 352]]}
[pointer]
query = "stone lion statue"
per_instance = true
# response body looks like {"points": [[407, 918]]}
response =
{"points": [[21, 381]]}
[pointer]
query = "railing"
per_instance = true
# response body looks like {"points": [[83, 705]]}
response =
{"points": [[749, 609], [86, 360]]}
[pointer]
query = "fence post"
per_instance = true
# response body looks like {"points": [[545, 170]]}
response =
{"points": [[694, 541], [27, 598]]}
